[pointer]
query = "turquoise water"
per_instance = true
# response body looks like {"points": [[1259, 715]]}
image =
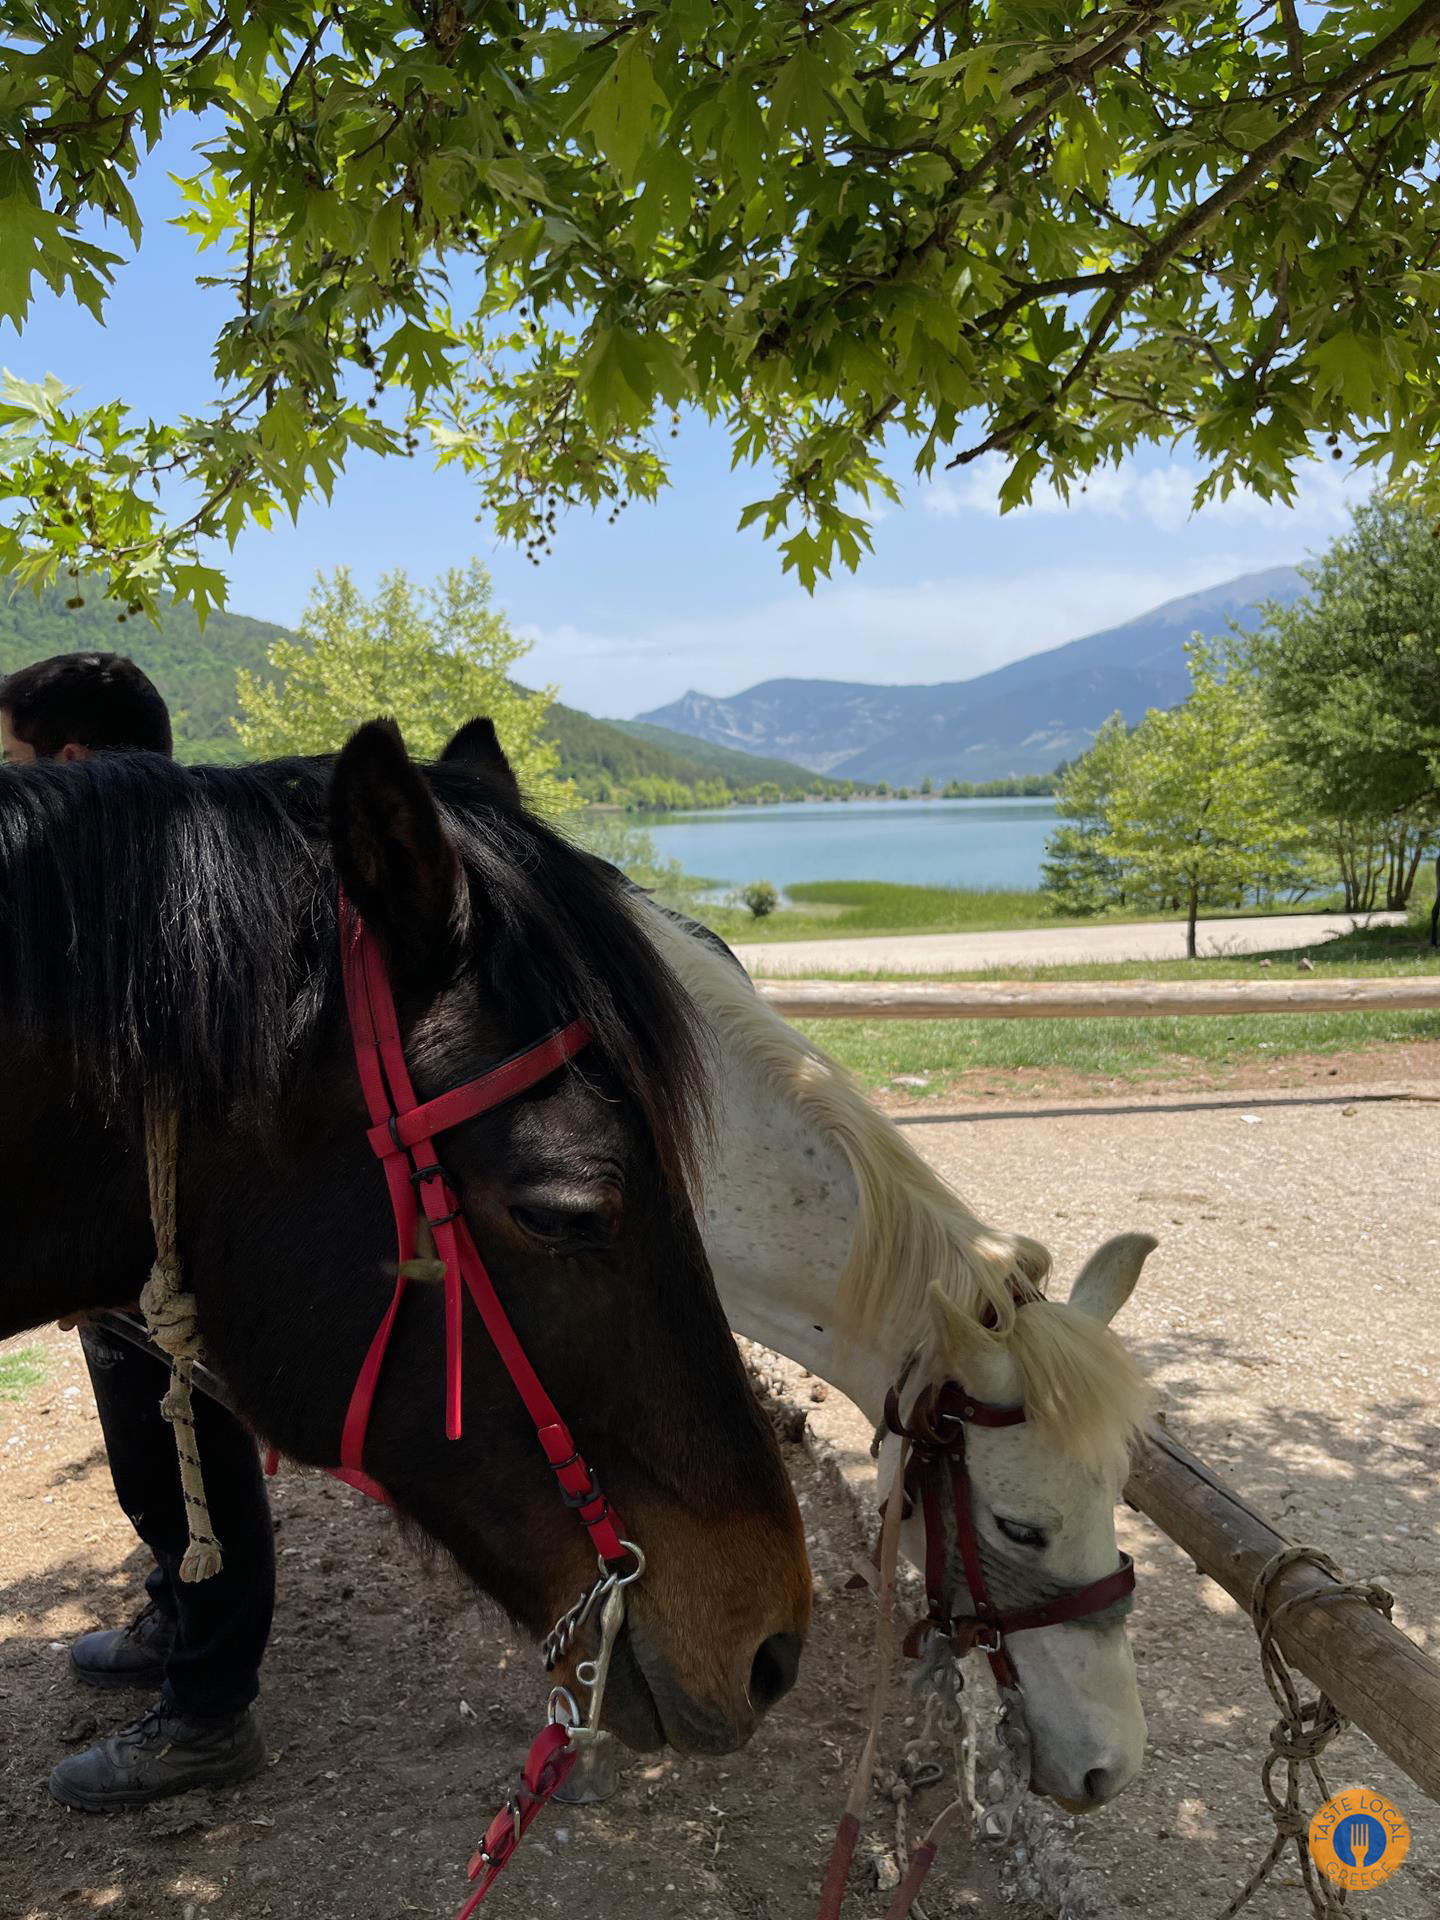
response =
{"points": [[926, 843]]}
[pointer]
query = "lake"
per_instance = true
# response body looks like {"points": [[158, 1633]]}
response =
{"points": [[926, 843]]}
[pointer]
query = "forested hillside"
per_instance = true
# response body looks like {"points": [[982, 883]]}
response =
{"points": [[195, 671], [610, 760]]}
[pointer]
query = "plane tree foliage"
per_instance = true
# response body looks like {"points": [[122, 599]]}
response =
{"points": [[865, 238]]}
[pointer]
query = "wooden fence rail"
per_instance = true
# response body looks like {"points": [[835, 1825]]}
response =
{"points": [[1375, 1675], [1087, 999]]}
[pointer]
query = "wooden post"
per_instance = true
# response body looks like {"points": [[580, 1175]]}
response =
{"points": [[1375, 1676], [1086, 999]]}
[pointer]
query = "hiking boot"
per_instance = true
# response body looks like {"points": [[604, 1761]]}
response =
{"points": [[132, 1656], [160, 1754]]}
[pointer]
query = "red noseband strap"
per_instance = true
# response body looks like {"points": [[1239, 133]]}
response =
{"points": [[402, 1134]]}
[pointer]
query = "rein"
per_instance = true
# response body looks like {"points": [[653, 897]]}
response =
{"points": [[934, 1472]]}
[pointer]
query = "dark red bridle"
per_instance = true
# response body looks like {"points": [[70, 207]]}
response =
{"points": [[402, 1134], [936, 1433]]}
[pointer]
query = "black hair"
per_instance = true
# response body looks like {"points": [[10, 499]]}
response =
{"points": [[98, 700], [175, 927]]}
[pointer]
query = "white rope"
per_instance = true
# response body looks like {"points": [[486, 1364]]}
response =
{"points": [[171, 1317]]}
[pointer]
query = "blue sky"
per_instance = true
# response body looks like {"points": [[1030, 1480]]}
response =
{"points": [[627, 617]]}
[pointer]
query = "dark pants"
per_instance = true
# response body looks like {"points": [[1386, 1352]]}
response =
{"points": [[221, 1624]]}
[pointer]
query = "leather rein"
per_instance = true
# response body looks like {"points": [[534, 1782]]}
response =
{"points": [[402, 1136]]}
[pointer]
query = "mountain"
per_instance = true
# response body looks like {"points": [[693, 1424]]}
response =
{"points": [[1022, 718]]}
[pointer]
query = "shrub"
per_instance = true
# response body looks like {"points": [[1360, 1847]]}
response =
{"points": [[761, 898]]}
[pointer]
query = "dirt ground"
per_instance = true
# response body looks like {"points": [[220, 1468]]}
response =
{"points": [[1291, 1319], [395, 1711]]}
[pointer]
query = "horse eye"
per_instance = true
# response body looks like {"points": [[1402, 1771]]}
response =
{"points": [[1023, 1536], [559, 1226]]}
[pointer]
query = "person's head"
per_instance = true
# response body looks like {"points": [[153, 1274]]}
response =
{"points": [[76, 704]]}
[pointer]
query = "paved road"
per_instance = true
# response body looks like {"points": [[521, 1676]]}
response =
{"points": [[1046, 946]]}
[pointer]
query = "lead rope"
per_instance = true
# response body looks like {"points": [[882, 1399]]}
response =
{"points": [[171, 1317], [842, 1852]]}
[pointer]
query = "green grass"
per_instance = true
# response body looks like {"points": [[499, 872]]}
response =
{"points": [[829, 909], [20, 1370], [1125, 1050], [1137, 1050]]}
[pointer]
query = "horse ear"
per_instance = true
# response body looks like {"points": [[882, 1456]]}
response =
{"points": [[1107, 1279], [478, 745], [393, 855]]}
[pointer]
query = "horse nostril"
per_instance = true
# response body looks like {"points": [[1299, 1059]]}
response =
{"points": [[773, 1671], [1099, 1785]]}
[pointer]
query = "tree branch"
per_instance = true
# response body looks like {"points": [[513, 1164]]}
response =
{"points": [[1421, 21], [1294, 40]]}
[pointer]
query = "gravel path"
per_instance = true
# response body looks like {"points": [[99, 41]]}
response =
{"points": [[1048, 946], [1289, 1318]]}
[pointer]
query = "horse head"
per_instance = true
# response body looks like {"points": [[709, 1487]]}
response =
{"points": [[180, 932], [1043, 1497]]}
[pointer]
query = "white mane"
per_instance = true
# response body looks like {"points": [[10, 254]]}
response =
{"points": [[912, 1234]]}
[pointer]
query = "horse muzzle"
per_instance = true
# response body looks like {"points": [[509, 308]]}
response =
{"points": [[647, 1706]]}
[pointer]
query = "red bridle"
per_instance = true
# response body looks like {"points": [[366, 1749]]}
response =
{"points": [[402, 1135]]}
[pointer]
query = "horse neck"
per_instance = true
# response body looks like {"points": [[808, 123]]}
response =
{"points": [[778, 1221]]}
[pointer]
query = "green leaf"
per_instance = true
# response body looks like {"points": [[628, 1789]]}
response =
{"points": [[203, 587], [799, 103], [616, 381], [623, 109], [27, 232]]}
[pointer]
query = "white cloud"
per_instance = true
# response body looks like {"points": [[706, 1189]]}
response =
{"points": [[1160, 497], [945, 628]]}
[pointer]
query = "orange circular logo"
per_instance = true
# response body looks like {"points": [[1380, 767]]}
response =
{"points": [[1359, 1838]]}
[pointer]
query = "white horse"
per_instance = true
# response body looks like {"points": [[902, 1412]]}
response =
{"points": [[833, 1243]]}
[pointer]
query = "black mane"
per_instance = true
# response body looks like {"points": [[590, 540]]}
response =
{"points": [[174, 928]]}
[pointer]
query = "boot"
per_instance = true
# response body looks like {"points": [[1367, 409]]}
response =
{"points": [[160, 1754], [132, 1656]]}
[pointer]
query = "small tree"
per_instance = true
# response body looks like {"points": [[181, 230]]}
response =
{"points": [[432, 658], [761, 898], [1203, 806], [1351, 680], [1079, 873]]}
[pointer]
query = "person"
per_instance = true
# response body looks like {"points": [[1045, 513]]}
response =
{"points": [[199, 1644]]}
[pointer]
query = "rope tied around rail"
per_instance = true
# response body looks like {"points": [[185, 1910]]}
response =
{"points": [[1305, 1727]]}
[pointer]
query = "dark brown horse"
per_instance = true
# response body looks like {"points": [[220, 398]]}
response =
{"points": [[172, 933]]}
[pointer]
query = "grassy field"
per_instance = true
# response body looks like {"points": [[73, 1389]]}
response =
{"points": [[1139, 1050], [825, 909], [20, 1369]]}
